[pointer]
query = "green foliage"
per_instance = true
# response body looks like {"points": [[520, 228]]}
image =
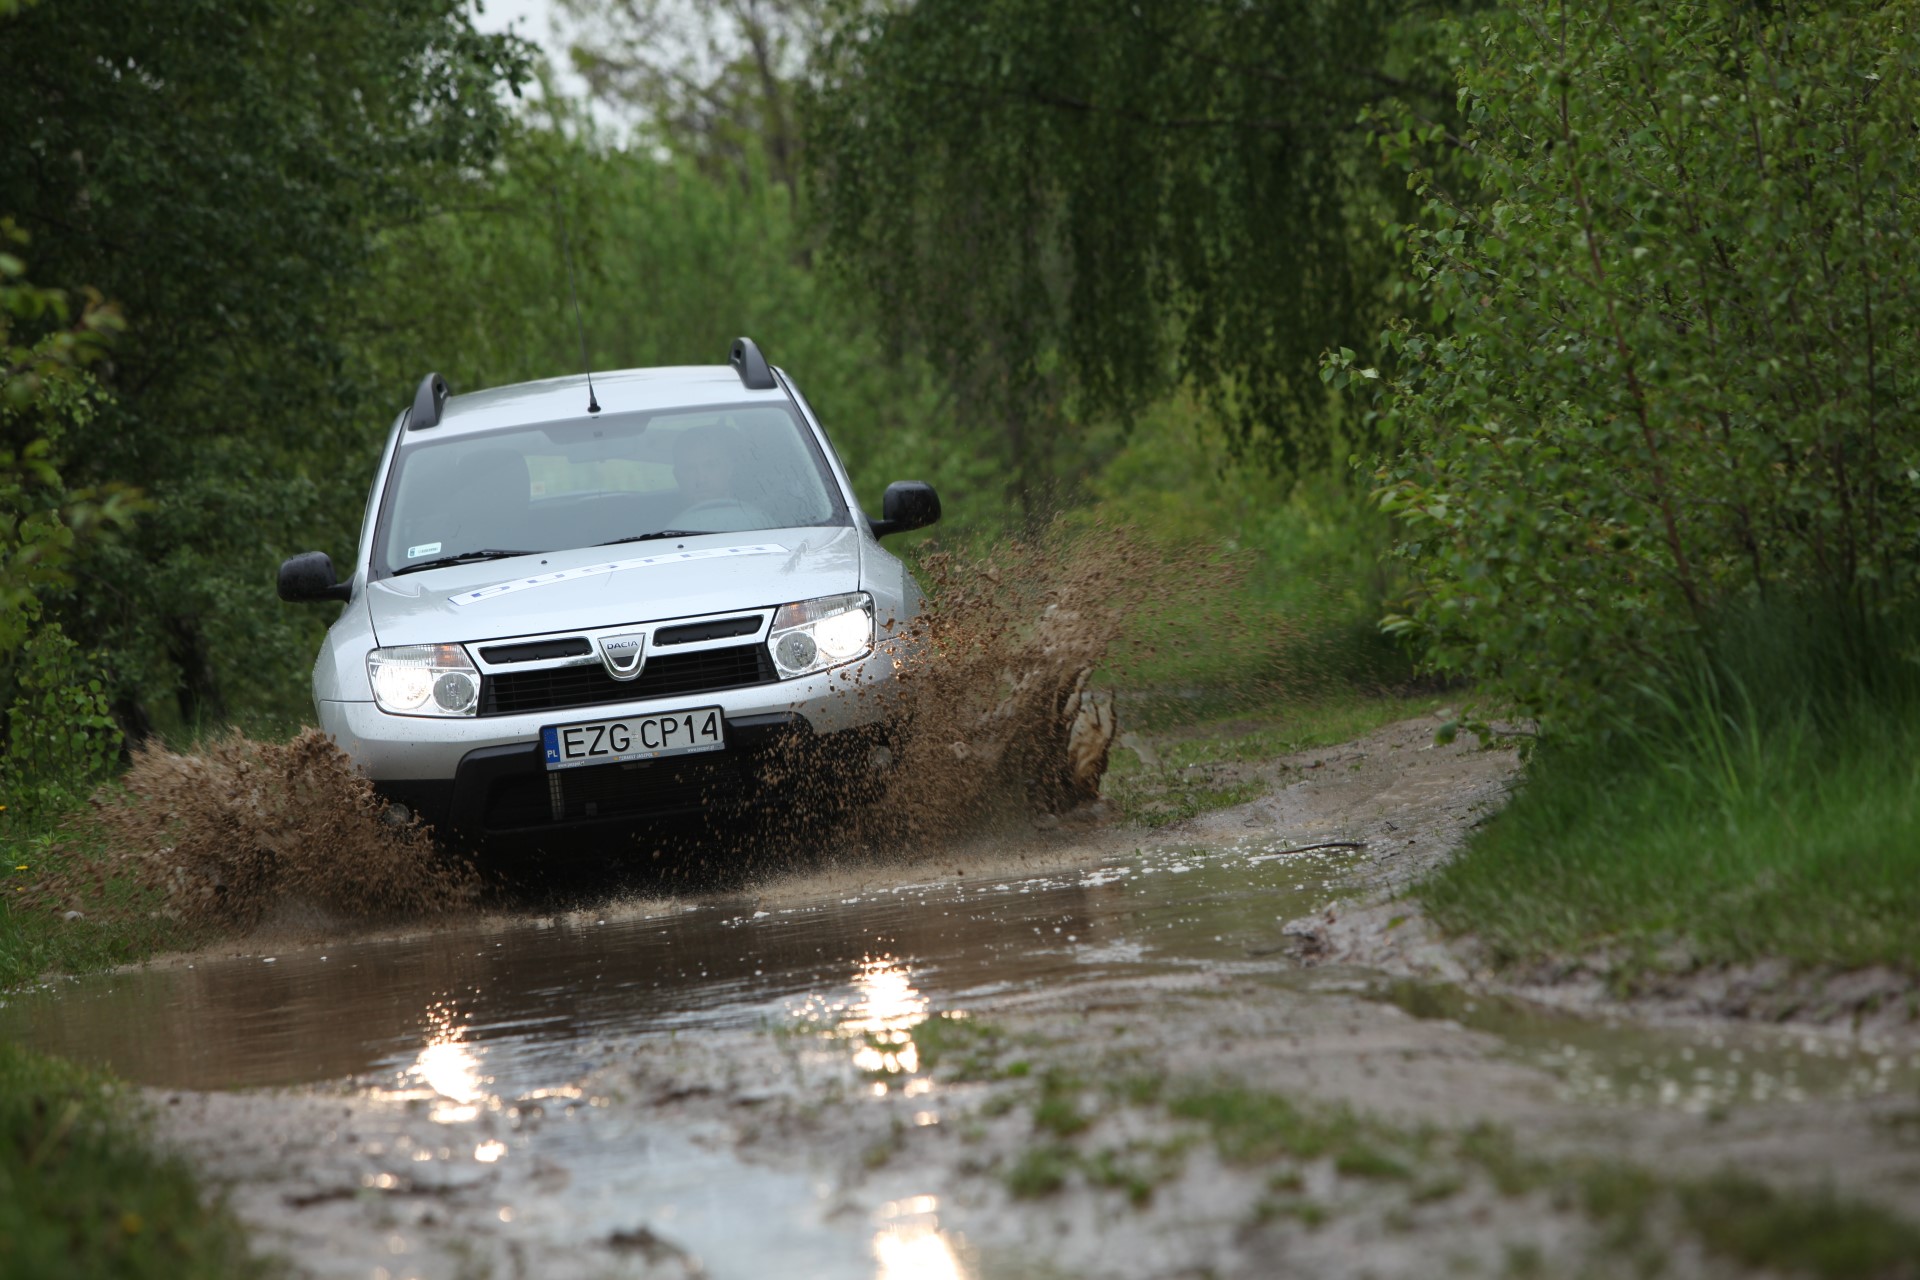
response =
{"points": [[60, 738], [1764, 805], [82, 1193], [1069, 204], [221, 167], [1668, 361], [44, 392]]}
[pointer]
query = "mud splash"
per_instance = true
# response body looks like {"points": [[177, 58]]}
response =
{"points": [[224, 838], [1004, 717]]}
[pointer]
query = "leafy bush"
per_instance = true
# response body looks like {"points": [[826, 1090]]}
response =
{"points": [[60, 738], [1670, 358]]}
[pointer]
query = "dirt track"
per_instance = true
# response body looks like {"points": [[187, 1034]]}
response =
{"points": [[1063, 1060]]}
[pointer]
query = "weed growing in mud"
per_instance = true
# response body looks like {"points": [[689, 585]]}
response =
{"points": [[1166, 797], [1058, 1109], [1813, 1233], [1040, 1171], [1632, 1217], [1171, 776], [224, 838]]}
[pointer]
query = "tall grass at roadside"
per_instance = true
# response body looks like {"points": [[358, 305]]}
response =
{"points": [[83, 1193], [1764, 801]]}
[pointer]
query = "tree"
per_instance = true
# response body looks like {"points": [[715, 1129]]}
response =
{"points": [[1088, 203], [715, 82], [221, 167], [1677, 373], [45, 392]]}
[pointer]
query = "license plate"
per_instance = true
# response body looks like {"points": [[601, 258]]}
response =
{"points": [[671, 733]]}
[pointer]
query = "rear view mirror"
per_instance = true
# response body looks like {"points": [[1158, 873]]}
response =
{"points": [[908, 504], [309, 577]]}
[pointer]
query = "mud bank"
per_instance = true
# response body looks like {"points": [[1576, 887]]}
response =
{"points": [[1383, 929]]}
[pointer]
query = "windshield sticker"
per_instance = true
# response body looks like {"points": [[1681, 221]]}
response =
{"points": [[424, 549], [614, 566]]}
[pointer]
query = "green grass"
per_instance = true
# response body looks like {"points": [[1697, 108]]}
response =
{"points": [[1286, 600], [1765, 802], [36, 937], [1040, 1171], [1283, 729], [82, 1193]]}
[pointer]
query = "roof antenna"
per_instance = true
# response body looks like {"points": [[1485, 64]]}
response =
{"points": [[593, 405]]}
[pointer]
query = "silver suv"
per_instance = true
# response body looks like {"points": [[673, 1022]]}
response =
{"points": [[584, 602]]}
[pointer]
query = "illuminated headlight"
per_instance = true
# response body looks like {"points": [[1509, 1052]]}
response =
{"points": [[424, 680], [816, 634]]}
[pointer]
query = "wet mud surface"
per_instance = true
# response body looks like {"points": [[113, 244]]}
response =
{"points": [[1026, 1057]]}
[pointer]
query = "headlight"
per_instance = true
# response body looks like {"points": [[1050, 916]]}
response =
{"points": [[816, 634], [424, 680]]}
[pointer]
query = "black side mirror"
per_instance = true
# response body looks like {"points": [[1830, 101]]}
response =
{"points": [[908, 504], [309, 576]]}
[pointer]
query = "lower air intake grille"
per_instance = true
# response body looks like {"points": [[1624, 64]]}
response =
{"points": [[665, 675], [653, 788]]}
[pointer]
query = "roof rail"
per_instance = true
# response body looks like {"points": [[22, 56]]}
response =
{"points": [[750, 365], [427, 403]]}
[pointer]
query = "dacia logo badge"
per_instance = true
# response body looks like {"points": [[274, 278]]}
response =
{"points": [[623, 656]]}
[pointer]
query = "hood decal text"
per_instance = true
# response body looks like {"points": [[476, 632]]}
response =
{"points": [[613, 566]]}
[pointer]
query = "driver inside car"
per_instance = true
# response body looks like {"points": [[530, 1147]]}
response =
{"points": [[705, 460]]}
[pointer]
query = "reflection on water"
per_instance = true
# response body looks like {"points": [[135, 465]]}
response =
{"points": [[450, 1067], [909, 1244], [879, 1020], [884, 1017]]}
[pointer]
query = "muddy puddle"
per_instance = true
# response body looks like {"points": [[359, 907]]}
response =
{"points": [[531, 1003], [537, 1000], [472, 1092]]}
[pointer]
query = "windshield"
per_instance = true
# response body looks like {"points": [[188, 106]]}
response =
{"points": [[606, 480]]}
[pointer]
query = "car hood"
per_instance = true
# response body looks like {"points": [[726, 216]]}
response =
{"points": [[613, 586]]}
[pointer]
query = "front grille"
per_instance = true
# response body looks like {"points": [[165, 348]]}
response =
{"points": [[705, 671], [688, 633], [537, 650]]}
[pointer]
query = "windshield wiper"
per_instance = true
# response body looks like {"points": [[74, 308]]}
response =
{"points": [[657, 533], [465, 557]]}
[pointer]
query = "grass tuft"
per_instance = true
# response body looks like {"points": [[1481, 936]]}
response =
{"points": [[1040, 1171], [1811, 1233]]}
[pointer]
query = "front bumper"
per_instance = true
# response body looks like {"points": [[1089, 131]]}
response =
{"points": [[389, 746], [769, 760], [486, 775]]}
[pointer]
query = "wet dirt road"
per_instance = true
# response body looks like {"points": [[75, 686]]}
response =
{"points": [[849, 1072]]}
